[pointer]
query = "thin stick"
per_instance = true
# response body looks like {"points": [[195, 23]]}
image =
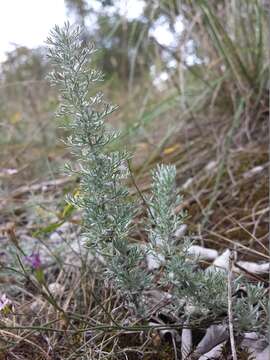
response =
{"points": [[230, 314]]}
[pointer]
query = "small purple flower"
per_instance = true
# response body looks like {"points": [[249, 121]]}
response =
{"points": [[5, 304], [34, 261]]}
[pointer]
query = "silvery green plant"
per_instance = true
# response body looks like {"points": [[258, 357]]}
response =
{"points": [[199, 293], [108, 211], [164, 200], [190, 284], [106, 203]]}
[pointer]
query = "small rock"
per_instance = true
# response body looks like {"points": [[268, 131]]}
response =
{"points": [[211, 165], [215, 335], [37, 305], [203, 253], [253, 171], [56, 289], [254, 268], [214, 353], [55, 237], [180, 232], [186, 341], [154, 261], [221, 263]]}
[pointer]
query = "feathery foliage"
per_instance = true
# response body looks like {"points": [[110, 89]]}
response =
{"points": [[162, 207], [201, 293], [109, 211]]}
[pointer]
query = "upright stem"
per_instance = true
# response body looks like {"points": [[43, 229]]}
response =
{"points": [[230, 313]]}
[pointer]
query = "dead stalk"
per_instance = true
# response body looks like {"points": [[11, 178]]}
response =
{"points": [[230, 313]]}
